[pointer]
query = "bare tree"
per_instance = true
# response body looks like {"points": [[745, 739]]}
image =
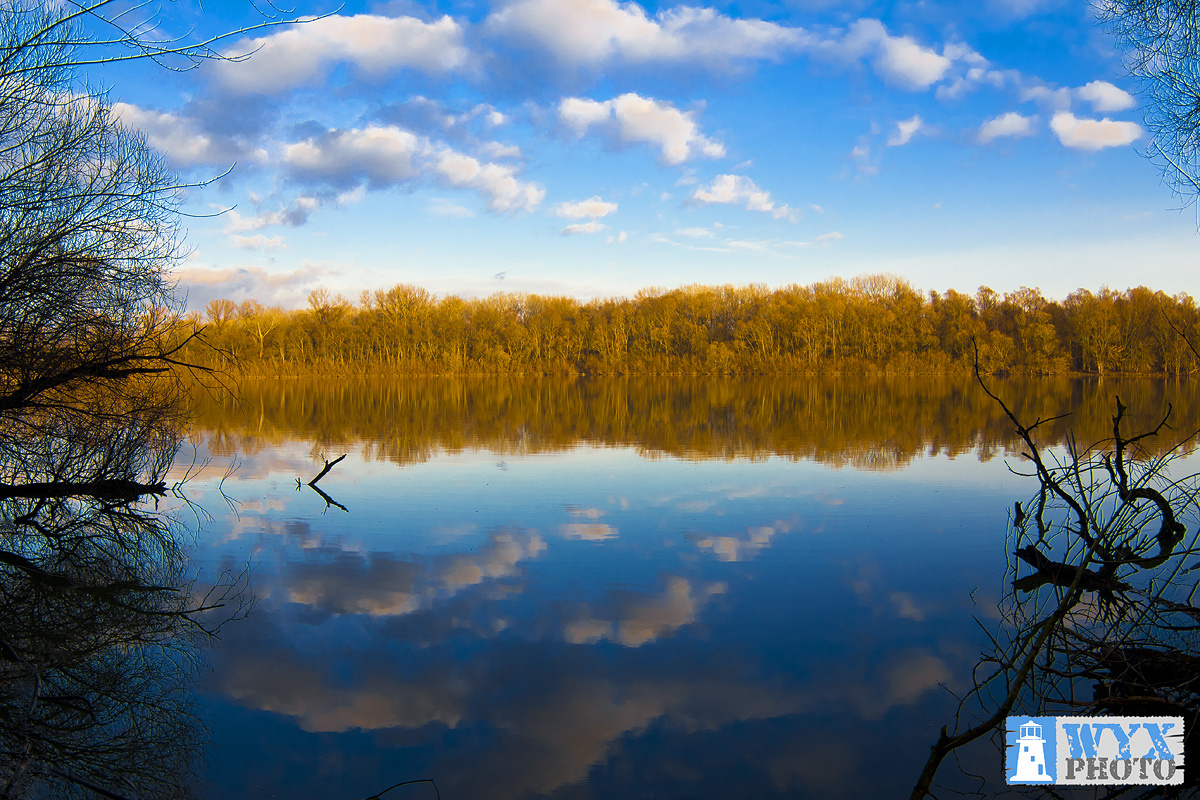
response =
{"points": [[1161, 41], [100, 623]]}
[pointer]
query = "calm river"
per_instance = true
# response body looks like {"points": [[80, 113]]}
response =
{"points": [[609, 588]]}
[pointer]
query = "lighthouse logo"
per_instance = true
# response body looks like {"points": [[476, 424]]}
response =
{"points": [[1029, 755], [1093, 750]]}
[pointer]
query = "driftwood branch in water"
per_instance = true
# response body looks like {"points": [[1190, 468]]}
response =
{"points": [[329, 501], [328, 466]]}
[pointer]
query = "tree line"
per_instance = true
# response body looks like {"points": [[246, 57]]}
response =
{"points": [[868, 324]]}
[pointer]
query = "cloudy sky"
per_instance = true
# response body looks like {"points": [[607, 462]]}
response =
{"points": [[596, 147]]}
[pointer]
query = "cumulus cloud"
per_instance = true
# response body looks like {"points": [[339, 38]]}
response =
{"points": [[907, 64], [292, 215], [585, 227], [905, 130], [385, 156], [497, 182], [381, 155], [1093, 134], [590, 32], [581, 113], [1105, 97], [182, 140], [1011, 125], [376, 45], [643, 120], [740, 190], [899, 60], [592, 208]]}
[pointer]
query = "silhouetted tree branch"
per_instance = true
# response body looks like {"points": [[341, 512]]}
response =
{"points": [[1116, 628]]}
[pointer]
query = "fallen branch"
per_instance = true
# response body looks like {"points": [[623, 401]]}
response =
{"points": [[328, 466], [1061, 574], [110, 489]]}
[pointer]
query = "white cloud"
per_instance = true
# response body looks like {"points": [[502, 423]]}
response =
{"points": [[899, 60], [696, 233], [581, 113], [584, 227], [1011, 125], [181, 140], [1093, 134], [959, 51], [376, 45], [1105, 97], [740, 190], [497, 182], [832, 236], [500, 150], [976, 76], [351, 197], [622, 236], [589, 32], [905, 63], [592, 208], [642, 120], [905, 130], [385, 156]]}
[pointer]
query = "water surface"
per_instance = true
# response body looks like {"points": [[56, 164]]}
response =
{"points": [[615, 588]]}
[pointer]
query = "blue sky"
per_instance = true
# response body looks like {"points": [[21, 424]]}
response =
{"points": [[596, 147]]}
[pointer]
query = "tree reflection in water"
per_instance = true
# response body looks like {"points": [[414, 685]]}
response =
{"points": [[1101, 614], [101, 627]]}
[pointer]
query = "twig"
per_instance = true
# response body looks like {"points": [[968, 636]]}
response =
{"points": [[328, 466]]}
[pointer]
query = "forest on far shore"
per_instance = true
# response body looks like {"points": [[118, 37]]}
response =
{"points": [[869, 324]]}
